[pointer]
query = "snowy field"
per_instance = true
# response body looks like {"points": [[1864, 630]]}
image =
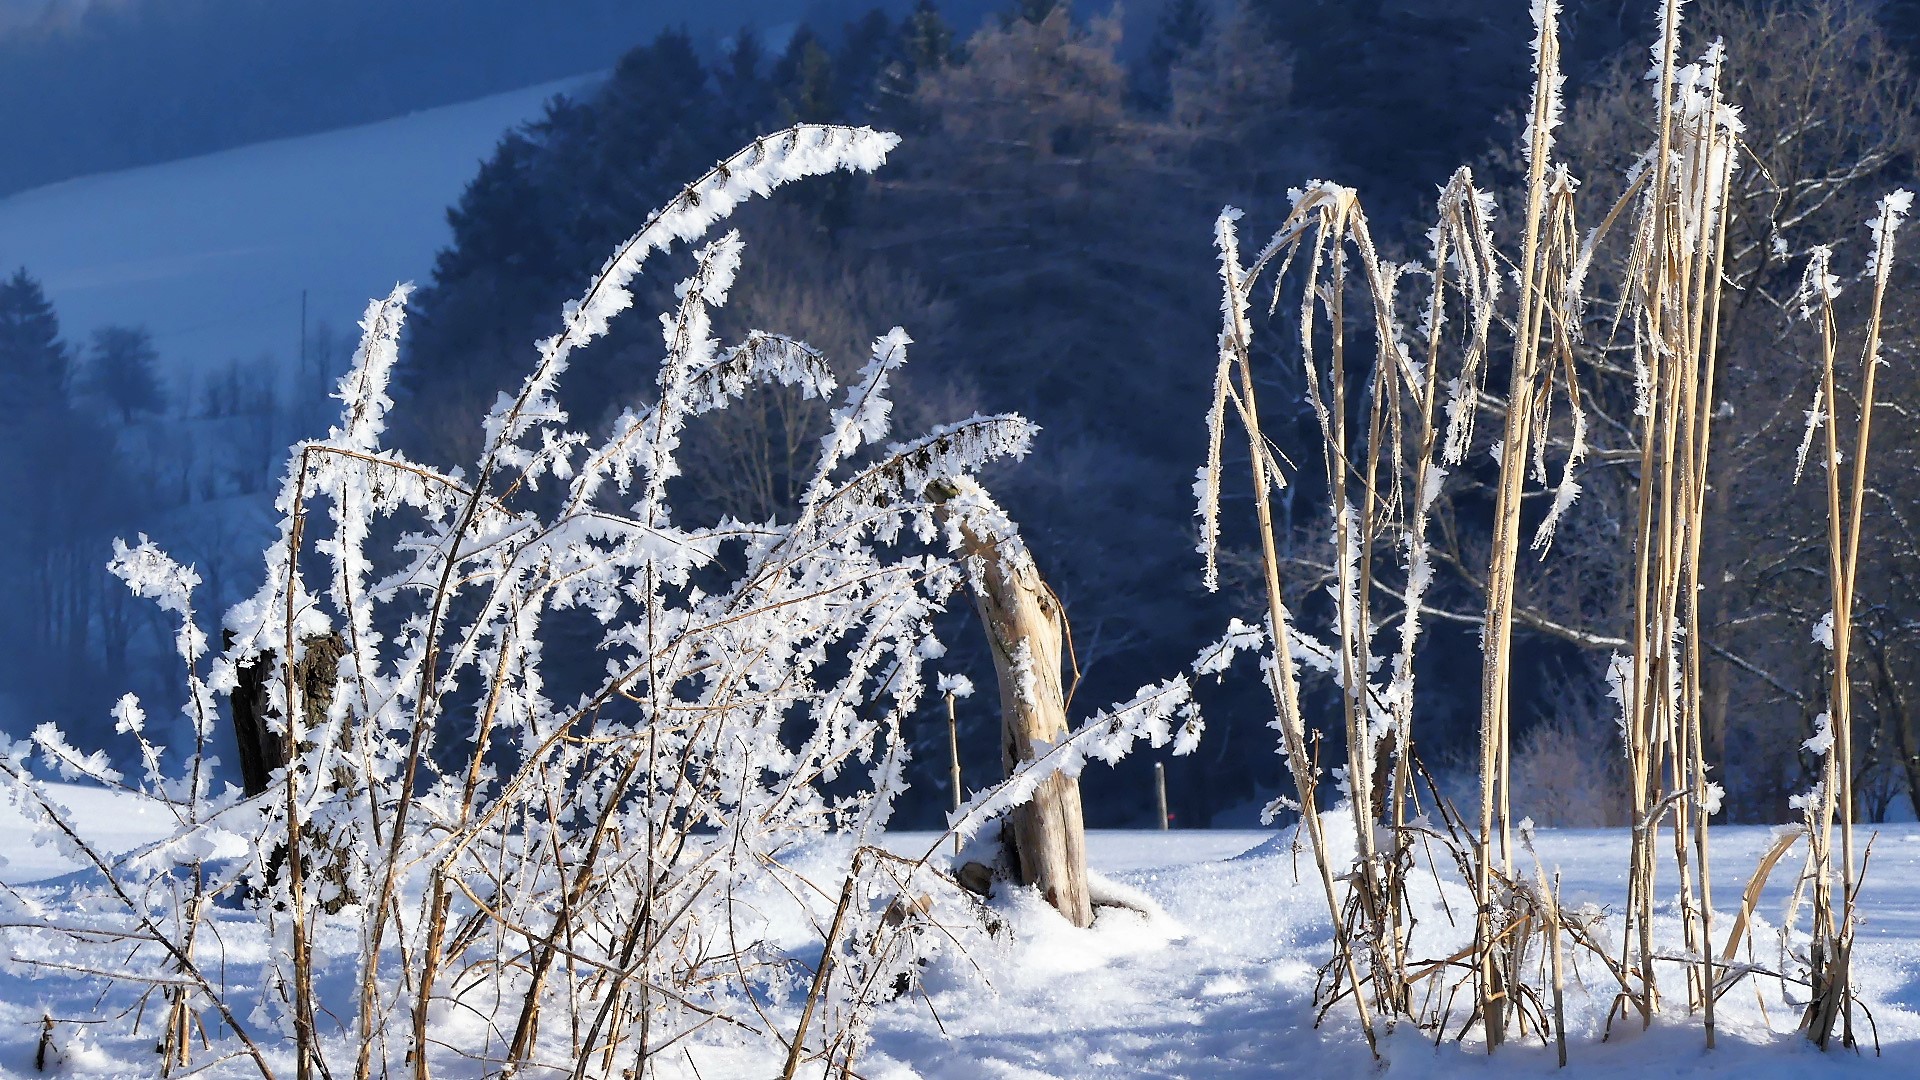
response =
{"points": [[211, 254], [1218, 983]]}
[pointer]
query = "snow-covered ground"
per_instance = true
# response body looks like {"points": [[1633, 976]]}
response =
{"points": [[1222, 986], [1218, 983], [211, 254]]}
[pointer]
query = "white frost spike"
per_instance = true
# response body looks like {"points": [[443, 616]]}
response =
{"points": [[690, 348], [1619, 679], [1711, 799], [1240, 637], [363, 389], [1233, 310], [1430, 489], [1819, 286], [1822, 740], [1823, 632], [1546, 56], [864, 419], [1663, 55], [1815, 417], [806, 150], [127, 715], [1894, 207], [151, 574], [1569, 487]]}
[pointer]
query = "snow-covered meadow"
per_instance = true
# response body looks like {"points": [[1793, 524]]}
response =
{"points": [[1215, 981]]}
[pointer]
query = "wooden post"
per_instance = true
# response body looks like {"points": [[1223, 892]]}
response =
{"points": [[1160, 791], [1046, 837], [953, 755]]}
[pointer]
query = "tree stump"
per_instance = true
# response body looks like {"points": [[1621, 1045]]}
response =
{"points": [[262, 750], [1045, 837]]}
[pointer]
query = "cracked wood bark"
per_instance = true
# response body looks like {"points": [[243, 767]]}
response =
{"points": [[1046, 837], [262, 750]]}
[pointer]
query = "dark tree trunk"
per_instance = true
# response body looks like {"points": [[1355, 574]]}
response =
{"points": [[1906, 726]]}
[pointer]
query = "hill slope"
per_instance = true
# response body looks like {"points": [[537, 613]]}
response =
{"points": [[211, 254]]}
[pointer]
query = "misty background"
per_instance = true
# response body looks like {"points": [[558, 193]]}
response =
{"points": [[197, 197]]}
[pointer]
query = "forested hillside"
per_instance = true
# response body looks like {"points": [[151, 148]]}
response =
{"points": [[1044, 231], [1046, 224]]}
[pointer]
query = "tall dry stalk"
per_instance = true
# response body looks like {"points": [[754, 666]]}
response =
{"points": [[1385, 463], [1396, 463], [1234, 383], [1832, 945], [1675, 261]]}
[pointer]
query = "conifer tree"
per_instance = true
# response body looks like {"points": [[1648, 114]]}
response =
{"points": [[805, 80], [746, 93], [868, 46], [33, 362], [1033, 11], [927, 39], [924, 45]]}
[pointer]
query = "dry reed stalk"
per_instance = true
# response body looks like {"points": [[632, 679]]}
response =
{"points": [[1833, 939], [1398, 481], [1677, 252], [1235, 383], [1542, 336], [1750, 896], [1671, 301], [1398, 478]]}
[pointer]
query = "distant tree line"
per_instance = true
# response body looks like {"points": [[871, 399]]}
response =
{"points": [[95, 445], [1045, 232]]}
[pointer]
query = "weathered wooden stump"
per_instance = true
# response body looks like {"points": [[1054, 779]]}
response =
{"points": [[262, 750], [1046, 837]]}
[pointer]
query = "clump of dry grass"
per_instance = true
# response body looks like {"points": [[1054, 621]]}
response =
{"points": [[1385, 463]]}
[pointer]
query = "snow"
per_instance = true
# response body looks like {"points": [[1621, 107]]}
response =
{"points": [[113, 821], [1217, 982], [211, 253], [1222, 986]]}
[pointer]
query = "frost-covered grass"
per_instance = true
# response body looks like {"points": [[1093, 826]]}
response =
{"points": [[682, 863], [1218, 982], [447, 862], [1399, 363]]}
